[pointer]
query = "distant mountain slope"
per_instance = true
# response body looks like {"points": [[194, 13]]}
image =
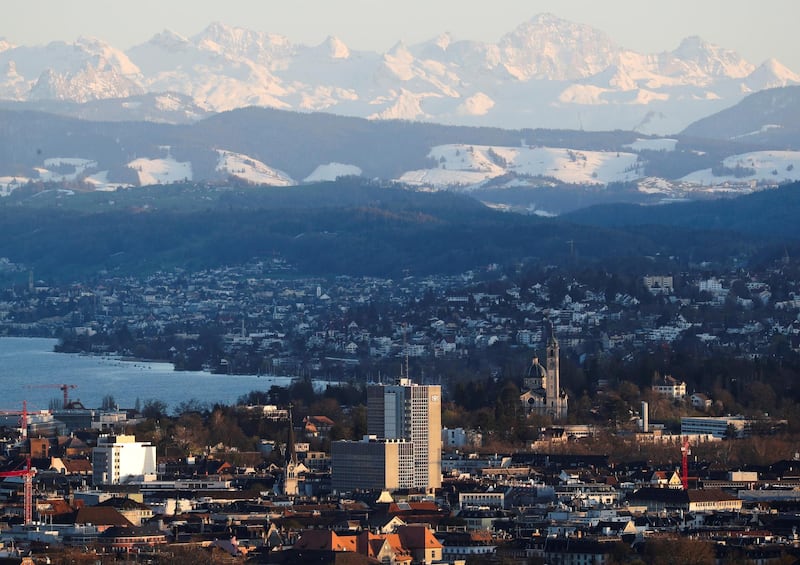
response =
{"points": [[344, 228], [296, 143], [770, 118], [765, 213], [169, 108], [551, 171], [545, 73]]}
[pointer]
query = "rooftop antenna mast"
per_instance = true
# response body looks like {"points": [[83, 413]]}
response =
{"points": [[405, 347]]}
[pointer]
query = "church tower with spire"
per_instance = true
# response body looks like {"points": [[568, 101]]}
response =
{"points": [[290, 469], [553, 385], [544, 395]]}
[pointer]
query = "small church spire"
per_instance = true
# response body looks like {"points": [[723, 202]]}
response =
{"points": [[290, 483], [291, 454]]}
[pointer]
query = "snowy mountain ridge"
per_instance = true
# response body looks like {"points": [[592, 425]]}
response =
{"points": [[548, 72]]}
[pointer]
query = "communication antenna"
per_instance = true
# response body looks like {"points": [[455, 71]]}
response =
{"points": [[405, 347]]}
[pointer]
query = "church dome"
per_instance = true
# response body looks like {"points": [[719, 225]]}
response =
{"points": [[536, 370]]}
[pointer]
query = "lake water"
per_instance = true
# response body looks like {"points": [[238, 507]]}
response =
{"points": [[26, 364]]}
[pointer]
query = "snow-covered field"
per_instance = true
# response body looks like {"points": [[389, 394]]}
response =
{"points": [[100, 181], [757, 167], [331, 172], [60, 169], [459, 167], [161, 171], [251, 170], [470, 166], [69, 168], [658, 144], [9, 184]]}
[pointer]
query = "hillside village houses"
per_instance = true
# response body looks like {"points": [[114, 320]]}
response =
{"points": [[327, 327]]}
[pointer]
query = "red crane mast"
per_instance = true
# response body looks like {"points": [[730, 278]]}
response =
{"points": [[27, 473]]}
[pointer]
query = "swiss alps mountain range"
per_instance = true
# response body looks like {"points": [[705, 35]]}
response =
{"points": [[551, 118], [546, 73]]}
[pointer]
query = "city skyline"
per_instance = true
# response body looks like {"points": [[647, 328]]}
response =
{"points": [[376, 26]]}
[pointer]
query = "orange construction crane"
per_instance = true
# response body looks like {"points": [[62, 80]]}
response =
{"points": [[63, 388]]}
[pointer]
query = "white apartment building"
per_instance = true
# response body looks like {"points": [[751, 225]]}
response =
{"points": [[711, 285], [120, 459], [717, 427], [659, 284]]}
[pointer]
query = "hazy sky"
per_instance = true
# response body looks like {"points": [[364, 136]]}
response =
{"points": [[756, 29]]}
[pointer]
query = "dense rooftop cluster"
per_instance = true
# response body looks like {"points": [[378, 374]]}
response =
{"points": [[258, 319], [555, 496]]}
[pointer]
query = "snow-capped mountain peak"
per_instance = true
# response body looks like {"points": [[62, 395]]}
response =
{"points": [[443, 41], [543, 73], [335, 48], [104, 57], [169, 40], [771, 74], [548, 47], [236, 41], [711, 59]]}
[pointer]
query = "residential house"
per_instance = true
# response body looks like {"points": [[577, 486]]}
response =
{"points": [[670, 387], [700, 401]]}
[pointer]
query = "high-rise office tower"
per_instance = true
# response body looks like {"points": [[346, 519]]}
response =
{"points": [[414, 413]]}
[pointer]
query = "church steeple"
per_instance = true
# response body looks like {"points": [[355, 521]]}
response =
{"points": [[545, 396], [553, 385], [290, 486], [291, 454]]}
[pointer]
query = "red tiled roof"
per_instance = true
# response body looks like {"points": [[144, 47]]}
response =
{"points": [[101, 516], [77, 466], [325, 540], [418, 537]]}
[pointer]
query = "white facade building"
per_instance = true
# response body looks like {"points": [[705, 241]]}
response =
{"points": [[120, 459], [717, 427], [671, 388], [414, 413]]}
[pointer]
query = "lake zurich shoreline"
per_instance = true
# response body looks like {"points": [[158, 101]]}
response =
{"points": [[32, 371]]}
